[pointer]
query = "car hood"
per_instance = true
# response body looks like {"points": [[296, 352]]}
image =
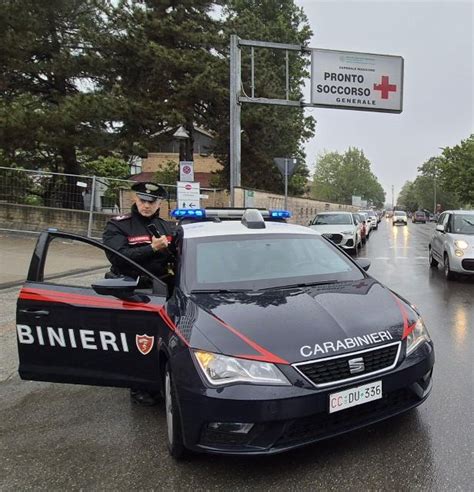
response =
{"points": [[333, 229], [291, 325]]}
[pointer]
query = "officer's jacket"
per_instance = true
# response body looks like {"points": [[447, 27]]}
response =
{"points": [[128, 234]]}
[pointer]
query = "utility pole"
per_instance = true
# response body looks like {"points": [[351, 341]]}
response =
{"points": [[393, 202]]}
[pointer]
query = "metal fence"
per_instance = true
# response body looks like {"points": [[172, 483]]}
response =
{"points": [[86, 201]]}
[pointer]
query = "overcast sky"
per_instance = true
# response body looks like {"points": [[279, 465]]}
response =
{"points": [[436, 41]]}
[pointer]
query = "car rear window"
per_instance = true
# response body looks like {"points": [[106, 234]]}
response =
{"points": [[256, 262], [399, 214]]}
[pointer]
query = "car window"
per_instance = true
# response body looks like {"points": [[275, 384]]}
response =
{"points": [[399, 213], [445, 220], [332, 219], [75, 263], [254, 262], [462, 224]]}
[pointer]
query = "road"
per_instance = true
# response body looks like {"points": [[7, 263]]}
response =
{"points": [[76, 437]]}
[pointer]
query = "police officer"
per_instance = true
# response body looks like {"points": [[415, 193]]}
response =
{"points": [[129, 234]]}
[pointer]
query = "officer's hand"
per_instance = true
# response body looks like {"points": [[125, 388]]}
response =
{"points": [[159, 243]]}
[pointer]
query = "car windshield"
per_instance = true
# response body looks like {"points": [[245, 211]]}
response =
{"points": [[399, 214], [264, 261], [332, 219], [463, 224], [370, 213]]}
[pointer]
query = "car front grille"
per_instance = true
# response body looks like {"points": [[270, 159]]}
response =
{"points": [[326, 424], [336, 369], [335, 238], [468, 264]]}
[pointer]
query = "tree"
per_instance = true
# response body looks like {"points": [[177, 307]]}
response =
{"points": [[407, 198], [50, 55], [338, 177], [267, 131], [163, 64], [457, 170], [168, 173], [429, 182]]}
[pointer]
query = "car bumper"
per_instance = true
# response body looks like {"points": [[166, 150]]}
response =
{"points": [[288, 417], [464, 264], [400, 221]]}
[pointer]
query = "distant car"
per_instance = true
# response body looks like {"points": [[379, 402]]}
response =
{"points": [[419, 216], [373, 217], [452, 243], [399, 217], [434, 217], [339, 227]]}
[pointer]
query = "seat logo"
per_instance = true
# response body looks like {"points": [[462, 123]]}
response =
{"points": [[356, 365], [144, 343]]}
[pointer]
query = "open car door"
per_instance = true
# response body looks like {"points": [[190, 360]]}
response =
{"points": [[71, 332]]}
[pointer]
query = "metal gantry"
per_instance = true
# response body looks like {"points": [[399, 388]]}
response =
{"points": [[236, 99]]}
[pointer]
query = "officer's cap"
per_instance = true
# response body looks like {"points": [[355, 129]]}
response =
{"points": [[149, 191]]}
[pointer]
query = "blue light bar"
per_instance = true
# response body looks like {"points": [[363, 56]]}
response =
{"points": [[181, 213], [280, 214]]}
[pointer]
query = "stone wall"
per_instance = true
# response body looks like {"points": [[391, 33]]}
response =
{"points": [[302, 209]]}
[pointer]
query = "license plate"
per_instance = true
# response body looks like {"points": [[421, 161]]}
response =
{"points": [[355, 396]]}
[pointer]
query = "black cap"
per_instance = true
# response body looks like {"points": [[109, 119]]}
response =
{"points": [[149, 191]]}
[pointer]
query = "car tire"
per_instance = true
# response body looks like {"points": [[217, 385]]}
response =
{"points": [[433, 262], [448, 273], [174, 435]]}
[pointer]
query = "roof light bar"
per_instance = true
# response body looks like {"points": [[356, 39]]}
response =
{"points": [[280, 214], [195, 213]]}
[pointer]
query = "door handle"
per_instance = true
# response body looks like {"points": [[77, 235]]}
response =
{"points": [[36, 312]]}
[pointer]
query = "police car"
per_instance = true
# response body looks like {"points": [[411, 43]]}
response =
{"points": [[257, 348]]}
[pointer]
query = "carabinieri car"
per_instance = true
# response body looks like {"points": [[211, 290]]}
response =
{"points": [[257, 347]]}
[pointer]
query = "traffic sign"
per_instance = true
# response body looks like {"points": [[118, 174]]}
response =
{"points": [[351, 80], [188, 195], [186, 170]]}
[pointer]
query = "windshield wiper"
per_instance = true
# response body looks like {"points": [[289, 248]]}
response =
{"points": [[469, 222], [218, 291], [302, 284]]}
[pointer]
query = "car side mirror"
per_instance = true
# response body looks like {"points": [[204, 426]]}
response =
{"points": [[364, 264], [118, 287], [440, 228]]}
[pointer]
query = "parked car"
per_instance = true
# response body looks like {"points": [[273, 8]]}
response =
{"points": [[399, 217], [419, 216], [368, 223], [452, 243], [257, 346], [339, 227], [373, 217], [361, 224]]}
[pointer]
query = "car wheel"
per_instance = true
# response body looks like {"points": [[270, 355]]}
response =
{"points": [[433, 262], [173, 420], [448, 273]]}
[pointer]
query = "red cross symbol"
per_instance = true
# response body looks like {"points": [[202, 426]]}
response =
{"points": [[385, 87]]}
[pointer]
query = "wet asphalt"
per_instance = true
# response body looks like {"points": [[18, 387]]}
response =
{"points": [[57, 437]]}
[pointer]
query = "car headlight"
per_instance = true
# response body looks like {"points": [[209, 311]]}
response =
{"points": [[348, 232], [221, 369], [461, 244], [418, 335]]}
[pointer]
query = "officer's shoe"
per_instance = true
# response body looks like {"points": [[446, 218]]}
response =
{"points": [[145, 398]]}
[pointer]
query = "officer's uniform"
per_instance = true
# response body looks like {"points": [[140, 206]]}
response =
{"points": [[128, 234]]}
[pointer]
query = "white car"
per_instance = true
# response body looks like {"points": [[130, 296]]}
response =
{"points": [[340, 228], [452, 243], [373, 218], [368, 223], [399, 217]]}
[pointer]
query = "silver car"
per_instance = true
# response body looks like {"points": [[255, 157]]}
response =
{"points": [[340, 228], [452, 244]]}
